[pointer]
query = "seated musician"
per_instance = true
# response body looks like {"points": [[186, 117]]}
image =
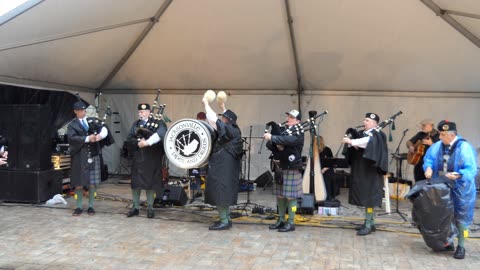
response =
{"points": [[328, 173], [3, 152], [419, 144], [288, 149]]}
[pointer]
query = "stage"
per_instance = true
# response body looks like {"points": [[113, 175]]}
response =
{"points": [[49, 237]]}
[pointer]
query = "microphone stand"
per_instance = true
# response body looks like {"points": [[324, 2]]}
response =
{"points": [[247, 181], [398, 174]]}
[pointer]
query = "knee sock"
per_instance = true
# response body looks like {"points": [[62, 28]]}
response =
{"points": [[79, 196], [369, 217], [462, 234], [282, 208], [92, 193], [150, 198], [292, 208], [222, 212], [228, 214], [136, 198]]}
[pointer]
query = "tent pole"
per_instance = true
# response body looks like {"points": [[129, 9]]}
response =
{"points": [[135, 45], [444, 14], [294, 54]]}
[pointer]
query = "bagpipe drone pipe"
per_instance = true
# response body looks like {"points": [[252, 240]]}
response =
{"points": [[359, 132], [154, 121], [95, 124]]}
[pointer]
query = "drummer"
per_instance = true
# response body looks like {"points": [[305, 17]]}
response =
{"points": [[224, 164]]}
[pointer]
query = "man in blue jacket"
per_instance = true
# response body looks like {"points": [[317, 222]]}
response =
{"points": [[455, 158]]}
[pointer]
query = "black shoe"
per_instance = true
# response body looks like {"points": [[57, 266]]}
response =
{"points": [[90, 211], [278, 225], [373, 227], [133, 212], [365, 231], [459, 253], [218, 226], [150, 213], [198, 194], [77, 212], [288, 227]]}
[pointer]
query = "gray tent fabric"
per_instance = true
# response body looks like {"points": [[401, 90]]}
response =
{"points": [[347, 56]]}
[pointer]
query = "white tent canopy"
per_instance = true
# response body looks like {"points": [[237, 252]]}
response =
{"points": [[345, 56]]}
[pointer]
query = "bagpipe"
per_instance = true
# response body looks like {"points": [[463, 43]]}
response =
{"points": [[157, 114], [282, 130], [384, 124], [95, 124], [359, 132]]}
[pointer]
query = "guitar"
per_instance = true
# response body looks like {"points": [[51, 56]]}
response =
{"points": [[414, 157]]}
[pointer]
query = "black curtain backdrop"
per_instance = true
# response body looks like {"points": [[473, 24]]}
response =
{"points": [[60, 102]]}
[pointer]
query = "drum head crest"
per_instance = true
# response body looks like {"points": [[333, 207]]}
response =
{"points": [[188, 143]]}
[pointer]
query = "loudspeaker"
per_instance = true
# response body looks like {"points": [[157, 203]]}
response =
{"points": [[264, 179], [306, 204], [30, 186], [171, 195], [28, 129]]}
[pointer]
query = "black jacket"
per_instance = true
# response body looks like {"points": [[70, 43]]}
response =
{"points": [[291, 155]]}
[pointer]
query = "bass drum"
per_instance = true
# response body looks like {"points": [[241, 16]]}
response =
{"points": [[188, 143]]}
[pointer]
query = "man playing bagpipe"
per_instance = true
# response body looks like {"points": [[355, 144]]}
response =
{"points": [[455, 158], [146, 144], [86, 140], [287, 150], [368, 156]]}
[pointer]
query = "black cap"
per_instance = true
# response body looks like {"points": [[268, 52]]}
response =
{"points": [[230, 116], [143, 106], [446, 125], [79, 105], [373, 116]]}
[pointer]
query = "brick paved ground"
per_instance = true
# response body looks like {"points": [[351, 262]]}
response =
{"points": [[39, 237]]}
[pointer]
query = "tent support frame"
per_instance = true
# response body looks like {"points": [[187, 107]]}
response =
{"points": [[293, 42], [444, 14], [135, 45]]}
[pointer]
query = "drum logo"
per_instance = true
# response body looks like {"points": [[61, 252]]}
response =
{"points": [[187, 144]]}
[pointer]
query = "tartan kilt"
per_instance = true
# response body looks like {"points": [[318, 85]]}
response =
{"points": [[95, 172], [292, 184]]}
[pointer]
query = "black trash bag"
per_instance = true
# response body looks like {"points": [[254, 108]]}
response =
{"points": [[433, 212]]}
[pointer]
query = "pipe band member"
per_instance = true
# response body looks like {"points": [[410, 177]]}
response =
{"points": [[146, 161], [84, 157], [368, 157], [455, 158], [221, 187], [288, 150]]}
